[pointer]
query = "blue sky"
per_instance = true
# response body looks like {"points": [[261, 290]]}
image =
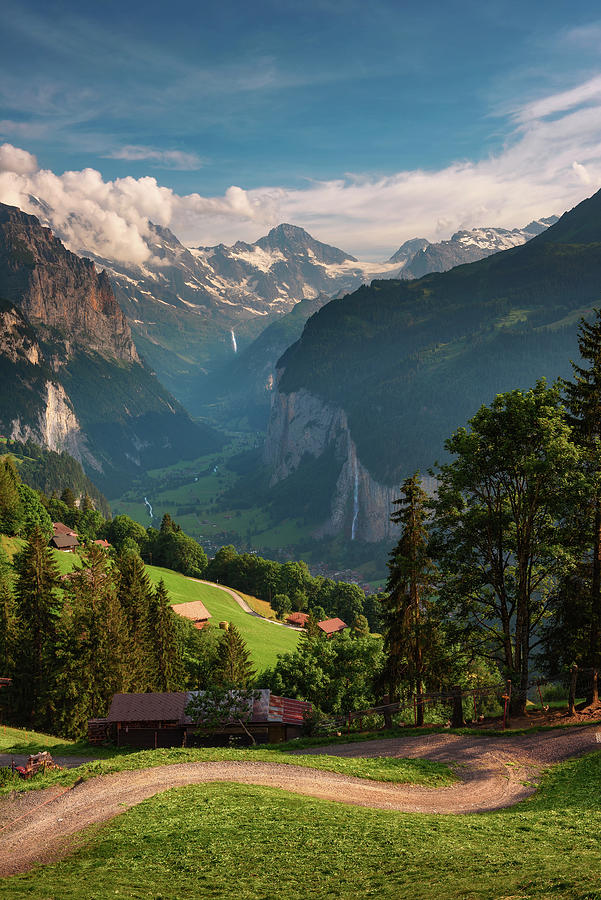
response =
{"points": [[286, 95]]}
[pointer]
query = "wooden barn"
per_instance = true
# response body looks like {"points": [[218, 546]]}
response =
{"points": [[63, 538], [298, 619], [160, 720], [195, 611]]}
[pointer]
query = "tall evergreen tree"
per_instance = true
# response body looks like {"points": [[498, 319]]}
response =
{"points": [[134, 593], [92, 652], [11, 511], [8, 618], [167, 669], [235, 667], [37, 608], [409, 587], [583, 397]]}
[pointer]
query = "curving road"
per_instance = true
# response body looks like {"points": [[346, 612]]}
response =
{"points": [[39, 826]]}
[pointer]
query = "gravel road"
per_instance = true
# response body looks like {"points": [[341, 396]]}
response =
{"points": [[41, 826]]}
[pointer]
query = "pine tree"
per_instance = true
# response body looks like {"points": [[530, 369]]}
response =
{"points": [[8, 618], [134, 594], [92, 650], [167, 669], [409, 586], [37, 609], [235, 667], [11, 511], [583, 397]]}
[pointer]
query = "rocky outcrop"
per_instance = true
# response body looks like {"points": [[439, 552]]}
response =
{"points": [[70, 374], [59, 291], [302, 424], [57, 427]]}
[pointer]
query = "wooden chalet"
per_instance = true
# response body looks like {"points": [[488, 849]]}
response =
{"points": [[102, 542], [332, 626], [160, 720], [195, 611], [299, 619], [63, 538]]}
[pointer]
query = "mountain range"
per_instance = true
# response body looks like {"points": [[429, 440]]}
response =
{"points": [[191, 309], [381, 377]]}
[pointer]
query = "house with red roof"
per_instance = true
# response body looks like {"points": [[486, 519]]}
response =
{"points": [[299, 619], [332, 626]]}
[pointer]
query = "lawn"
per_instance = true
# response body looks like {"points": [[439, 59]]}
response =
{"points": [[254, 842], [265, 641]]}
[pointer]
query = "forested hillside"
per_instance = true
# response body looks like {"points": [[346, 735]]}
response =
{"points": [[409, 361]]}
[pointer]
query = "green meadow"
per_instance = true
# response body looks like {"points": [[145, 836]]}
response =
{"points": [[253, 843]]}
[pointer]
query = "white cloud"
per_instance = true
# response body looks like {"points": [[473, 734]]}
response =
{"points": [[12, 159], [169, 159], [551, 162]]}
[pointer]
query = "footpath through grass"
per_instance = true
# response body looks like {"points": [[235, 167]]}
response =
{"points": [[254, 842], [398, 771]]}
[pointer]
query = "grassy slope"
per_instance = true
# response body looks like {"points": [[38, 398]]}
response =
{"points": [[252, 842], [264, 641]]}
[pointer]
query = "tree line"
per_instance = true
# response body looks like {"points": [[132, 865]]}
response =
{"points": [[505, 560]]}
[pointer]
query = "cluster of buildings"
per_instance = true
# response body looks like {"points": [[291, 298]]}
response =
{"points": [[66, 539], [328, 626]]}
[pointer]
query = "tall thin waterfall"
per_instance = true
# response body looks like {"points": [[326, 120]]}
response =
{"points": [[234, 344], [355, 497]]}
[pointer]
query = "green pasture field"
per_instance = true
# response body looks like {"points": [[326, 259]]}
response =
{"points": [[264, 640], [254, 842]]}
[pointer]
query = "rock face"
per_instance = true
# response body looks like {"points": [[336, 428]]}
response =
{"points": [[72, 379], [59, 291], [302, 424]]}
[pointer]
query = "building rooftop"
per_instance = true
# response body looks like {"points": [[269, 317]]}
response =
{"points": [[331, 626], [196, 611]]}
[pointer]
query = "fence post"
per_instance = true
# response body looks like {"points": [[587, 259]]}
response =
{"points": [[507, 707], [572, 698], [457, 718]]}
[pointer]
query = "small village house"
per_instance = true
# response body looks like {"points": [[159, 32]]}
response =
{"points": [[299, 619], [195, 611], [332, 626], [63, 538], [160, 720]]}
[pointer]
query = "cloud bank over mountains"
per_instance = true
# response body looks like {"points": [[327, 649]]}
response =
{"points": [[551, 162]]}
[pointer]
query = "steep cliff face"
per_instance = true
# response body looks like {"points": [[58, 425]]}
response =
{"points": [[71, 377], [56, 427], [59, 291], [302, 424]]}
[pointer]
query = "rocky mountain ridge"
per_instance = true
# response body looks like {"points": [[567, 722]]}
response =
{"points": [[420, 257], [66, 351], [381, 377]]}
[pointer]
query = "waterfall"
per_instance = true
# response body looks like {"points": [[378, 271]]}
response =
{"points": [[234, 344], [147, 502], [355, 498]]}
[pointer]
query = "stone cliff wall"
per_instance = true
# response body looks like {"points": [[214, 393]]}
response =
{"points": [[56, 289], [303, 424]]}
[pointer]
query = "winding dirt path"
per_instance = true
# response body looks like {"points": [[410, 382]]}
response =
{"points": [[40, 826], [242, 603]]}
